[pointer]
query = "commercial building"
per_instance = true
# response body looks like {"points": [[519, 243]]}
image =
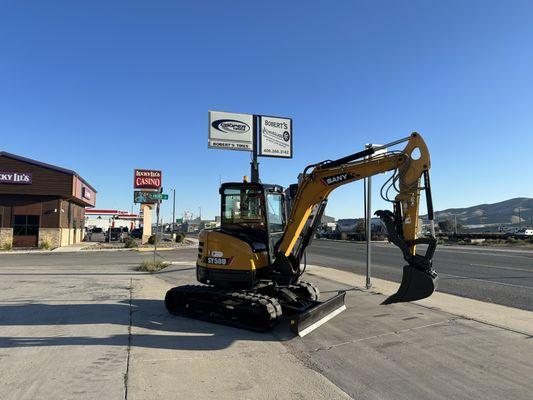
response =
{"points": [[41, 203]]}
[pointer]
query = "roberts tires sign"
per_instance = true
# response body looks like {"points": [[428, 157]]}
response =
{"points": [[230, 131], [275, 137]]}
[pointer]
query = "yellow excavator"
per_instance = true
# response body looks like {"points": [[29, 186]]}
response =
{"points": [[251, 266]]}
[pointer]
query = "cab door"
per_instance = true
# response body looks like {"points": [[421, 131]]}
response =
{"points": [[276, 220]]}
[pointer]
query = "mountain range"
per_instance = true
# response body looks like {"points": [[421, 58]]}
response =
{"points": [[512, 211]]}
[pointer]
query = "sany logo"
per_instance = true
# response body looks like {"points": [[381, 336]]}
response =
{"points": [[331, 180], [230, 126]]}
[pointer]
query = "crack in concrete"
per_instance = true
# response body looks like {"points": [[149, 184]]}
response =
{"points": [[333, 346], [126, 374]]}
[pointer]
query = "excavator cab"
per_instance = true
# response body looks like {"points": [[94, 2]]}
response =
{"points": [[256, 210]]}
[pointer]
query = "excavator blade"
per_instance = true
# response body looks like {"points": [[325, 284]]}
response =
{"points": [[416, 285], [317, 315]]}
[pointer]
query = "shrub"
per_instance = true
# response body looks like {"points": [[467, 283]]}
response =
{"points": [[180, 237], [153, 266], [530, 240], [6, 246], [44, 245], [512, 240], [151, 239], [130, 243]]}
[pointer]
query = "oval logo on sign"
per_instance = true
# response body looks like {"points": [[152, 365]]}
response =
{"points": [[230, 126]]}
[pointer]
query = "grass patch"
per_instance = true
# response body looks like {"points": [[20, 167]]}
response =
{"points": [[130, 243], [44, 245], [180, 237], [153, 266]]}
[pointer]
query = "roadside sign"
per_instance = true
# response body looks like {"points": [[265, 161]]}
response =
{"points": [[230, 131], [179, 220], [147, 179], [146, 197], [275, 137]]}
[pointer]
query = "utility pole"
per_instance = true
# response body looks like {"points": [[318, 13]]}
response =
{"points": [[455, 224], [519, 218], [173, 211]]}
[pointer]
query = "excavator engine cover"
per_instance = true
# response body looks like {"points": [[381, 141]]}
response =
{"points": [[416, 285]]}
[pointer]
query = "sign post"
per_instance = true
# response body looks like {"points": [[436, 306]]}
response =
{"points": [[156, 228]]}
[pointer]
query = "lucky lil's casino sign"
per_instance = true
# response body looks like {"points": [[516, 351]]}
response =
{"points": [[147, 179]]}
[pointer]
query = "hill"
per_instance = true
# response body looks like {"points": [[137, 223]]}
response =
{"points": [[505, 212]]}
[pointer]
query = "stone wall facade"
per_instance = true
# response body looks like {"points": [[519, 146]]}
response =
{"points": [[6, 237], [52, 236]]}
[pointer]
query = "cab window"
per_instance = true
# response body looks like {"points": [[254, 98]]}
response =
{"points": [[242, 206], [276, 212]]}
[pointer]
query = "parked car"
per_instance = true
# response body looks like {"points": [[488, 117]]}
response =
{"points": [[137, 233], [95, 235], [117, 234]]}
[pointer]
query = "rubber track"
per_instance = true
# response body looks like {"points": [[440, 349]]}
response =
{"points": [[225, 306], [311, 288]]}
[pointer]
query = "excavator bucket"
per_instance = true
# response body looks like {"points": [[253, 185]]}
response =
{"points": [[416, 285], [318, 314]]}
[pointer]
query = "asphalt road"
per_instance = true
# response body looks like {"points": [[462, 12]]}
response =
{"points": [[500, 276]]}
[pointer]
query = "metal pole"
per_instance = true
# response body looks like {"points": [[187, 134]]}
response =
{"points": [[254, 164], [173, 211], [368, 230], [156, 227]]}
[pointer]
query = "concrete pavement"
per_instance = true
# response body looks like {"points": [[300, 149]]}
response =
{"points": [[92, 327]]}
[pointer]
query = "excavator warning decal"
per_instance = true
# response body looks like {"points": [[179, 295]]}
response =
{"points": [[332, 180]]}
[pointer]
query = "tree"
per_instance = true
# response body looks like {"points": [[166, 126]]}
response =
{"points": [[446, 226]]}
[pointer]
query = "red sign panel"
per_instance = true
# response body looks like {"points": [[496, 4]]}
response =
{"points": [[147, 179]]}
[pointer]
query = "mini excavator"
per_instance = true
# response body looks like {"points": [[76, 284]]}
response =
{"points": [[250, 267]]}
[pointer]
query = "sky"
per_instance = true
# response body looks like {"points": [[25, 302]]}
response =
{"points": [[103, 87]]}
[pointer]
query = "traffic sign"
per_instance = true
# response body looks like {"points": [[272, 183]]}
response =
{"points": [[146, 197]]}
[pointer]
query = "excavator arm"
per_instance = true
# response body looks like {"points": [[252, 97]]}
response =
{"points": [[411, 166]]}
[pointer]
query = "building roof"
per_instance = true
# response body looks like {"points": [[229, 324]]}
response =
{"points": [[47, 166]]}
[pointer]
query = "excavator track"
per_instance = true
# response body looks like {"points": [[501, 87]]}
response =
{"points": [[242, 309]]}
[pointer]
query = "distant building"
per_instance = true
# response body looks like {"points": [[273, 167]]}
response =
{"points": [[105, 219]]}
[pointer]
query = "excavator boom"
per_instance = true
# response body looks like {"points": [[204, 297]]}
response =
{"points": [[410, 166]]}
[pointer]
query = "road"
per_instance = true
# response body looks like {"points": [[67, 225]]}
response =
{"points": [[491, 275], [498, 276]]}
